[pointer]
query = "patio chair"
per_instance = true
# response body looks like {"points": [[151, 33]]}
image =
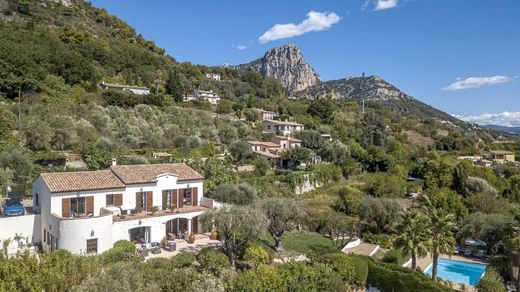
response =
{"points": [[155, 247]]}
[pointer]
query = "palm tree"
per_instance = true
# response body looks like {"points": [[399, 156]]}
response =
{"points": [[412, 236], [441, 225]]}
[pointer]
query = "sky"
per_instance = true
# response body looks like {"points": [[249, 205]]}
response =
{"points": [[460, 56]]}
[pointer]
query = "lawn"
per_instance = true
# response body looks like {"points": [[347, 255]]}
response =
{"points": [[301, 242]]}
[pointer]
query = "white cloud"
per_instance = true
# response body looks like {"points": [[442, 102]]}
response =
{"points": [[315, 21], [508, 119], [385, 4], [472, 82], [241, 47]]}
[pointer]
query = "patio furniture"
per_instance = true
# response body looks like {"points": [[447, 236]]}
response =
{"points": [[155, 247], [467, 252], [479, 253], [171, 246]]}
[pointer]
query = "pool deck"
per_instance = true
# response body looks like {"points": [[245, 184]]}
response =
{"points": [[424, 263]]}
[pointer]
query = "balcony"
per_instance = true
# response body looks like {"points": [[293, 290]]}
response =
{"points": [[160, 213]]}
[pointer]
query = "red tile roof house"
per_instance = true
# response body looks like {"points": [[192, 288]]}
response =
{"points": [[88, 211]]}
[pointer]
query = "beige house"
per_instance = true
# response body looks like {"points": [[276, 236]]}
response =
{"points": [[284, 127], [272, 151], [265, 115], [499, 156], [212, 76]]}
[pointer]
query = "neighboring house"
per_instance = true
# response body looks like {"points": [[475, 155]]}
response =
{"points": [[285, 127], [265, 115], [499, 156], [165, 156], [202, 95], [285, 142], [88, 211], [137, 90], [272, 151], [212, 76]]}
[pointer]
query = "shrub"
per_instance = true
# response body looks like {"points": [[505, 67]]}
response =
{"points": [[241, 194], [394, 256], [385, 185], [382, 240], [212, 260], [491, 282], [389, 278], [184, 259], [125, 245], [361, 268], [502, 265], [256, 255], [342, 264]]}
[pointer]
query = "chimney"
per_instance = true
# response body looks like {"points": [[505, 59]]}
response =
{"points": [[114, 161]]}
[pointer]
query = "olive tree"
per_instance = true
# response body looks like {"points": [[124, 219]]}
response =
{"points": [[238, 225], [282, 215]]}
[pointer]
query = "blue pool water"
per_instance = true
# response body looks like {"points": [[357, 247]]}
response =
{"points": [[458, 272]]}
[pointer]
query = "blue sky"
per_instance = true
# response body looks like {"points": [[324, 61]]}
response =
{"points": [[461, 56]]}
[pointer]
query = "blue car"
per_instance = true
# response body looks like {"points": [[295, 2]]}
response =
{"points": [[13, 208]]}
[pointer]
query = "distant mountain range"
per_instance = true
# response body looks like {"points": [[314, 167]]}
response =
{"points": [[509, 130], [287, 64]]}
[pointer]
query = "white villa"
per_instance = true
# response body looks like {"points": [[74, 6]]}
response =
{"points": [[88, 211], [284, 127], [212, 76], [137, 90], [202, 95]]}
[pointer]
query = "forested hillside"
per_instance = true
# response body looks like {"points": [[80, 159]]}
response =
{"points": [[378, 169]]}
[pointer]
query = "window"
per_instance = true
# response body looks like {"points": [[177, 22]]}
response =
{"points": [[140, 200], [187, 197], [110, 200], [36, 200], [92, 245], [77, 206], [45, 235]]}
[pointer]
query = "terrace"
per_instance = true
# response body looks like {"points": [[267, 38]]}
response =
{"points": [[159, 213]]}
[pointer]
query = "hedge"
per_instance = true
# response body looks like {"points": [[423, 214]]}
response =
{"points": [[390, 277]]}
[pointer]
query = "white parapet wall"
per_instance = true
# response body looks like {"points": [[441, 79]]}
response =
{"points": [[27, 226]]}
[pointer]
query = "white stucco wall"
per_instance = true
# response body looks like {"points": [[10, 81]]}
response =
{"points": [[73, 233], [27, 226]]}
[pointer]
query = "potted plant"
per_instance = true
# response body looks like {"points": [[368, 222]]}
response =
{"points": [[172, 207], [154, 210], [191, 238], [213, 235]]}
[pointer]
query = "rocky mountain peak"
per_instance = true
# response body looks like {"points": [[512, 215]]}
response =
{"points": [[287, 64]]}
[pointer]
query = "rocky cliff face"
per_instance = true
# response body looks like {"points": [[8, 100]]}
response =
{"points": [[287, 64]]}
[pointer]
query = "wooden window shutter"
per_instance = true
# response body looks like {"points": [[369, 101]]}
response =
{"points": [[181, 198], [149, 201], [138, 200], [89, 205], [164, 200], [195, 225], [175, 198], [65, 208], [194, 197], [118, 199]]}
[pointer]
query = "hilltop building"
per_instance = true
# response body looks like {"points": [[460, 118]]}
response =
{"points": [[202, 95], [286, 128], [137, 90], [212, 76]]}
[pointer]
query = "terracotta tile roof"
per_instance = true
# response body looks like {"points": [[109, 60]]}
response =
{"points": [[291, 139], [266, 144], [267, 154], [59, 182], [282, 122], [501, 152], [115, 178], [147, 173]]}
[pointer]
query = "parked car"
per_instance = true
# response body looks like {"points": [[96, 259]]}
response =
{"points": [[13, 208]]}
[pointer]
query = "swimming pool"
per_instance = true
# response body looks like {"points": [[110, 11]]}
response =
{"points": [[458, 272]]}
